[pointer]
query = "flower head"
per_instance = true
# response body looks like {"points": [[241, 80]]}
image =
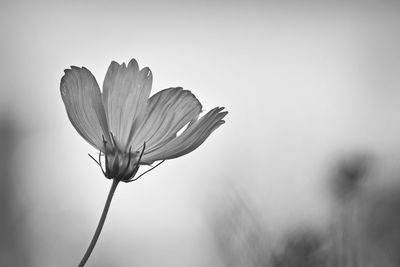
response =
{"points": [[128, 127]]}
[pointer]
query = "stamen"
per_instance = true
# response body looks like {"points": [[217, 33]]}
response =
{"points": [[105, 155], [158, 164], [100, 164], [115, 168], [141, 154], [129, 159], [134, 171], [112, 138]]}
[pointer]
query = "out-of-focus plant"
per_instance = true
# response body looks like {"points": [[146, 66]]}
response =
{"points": [[349, 174], [240, 236], [343, 239], [365, 230], [382, 226], [301, 249]]}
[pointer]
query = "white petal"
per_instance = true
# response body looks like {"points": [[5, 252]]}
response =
{"points": [[168, 111], [189, 140], [125, 94], [82, 98]]}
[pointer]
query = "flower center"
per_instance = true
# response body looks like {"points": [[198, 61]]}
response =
{"points": [[120, 165]]}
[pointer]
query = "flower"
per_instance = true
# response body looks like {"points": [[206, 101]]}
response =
{"points": [[129, 128]]}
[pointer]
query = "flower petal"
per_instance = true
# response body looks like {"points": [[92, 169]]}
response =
{"points": [[190, 139], [168, 111], [125, 94], [82, 98]]}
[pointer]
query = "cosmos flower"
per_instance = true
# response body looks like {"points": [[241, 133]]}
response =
{"points": [[128, 127]]}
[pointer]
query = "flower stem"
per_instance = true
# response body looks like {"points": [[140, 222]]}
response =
{"points": [[100, 225]]}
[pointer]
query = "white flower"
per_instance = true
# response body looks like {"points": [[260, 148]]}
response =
{"points": [[129, 128]]}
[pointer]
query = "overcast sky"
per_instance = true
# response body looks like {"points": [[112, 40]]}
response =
{"points": [[303, 84]]}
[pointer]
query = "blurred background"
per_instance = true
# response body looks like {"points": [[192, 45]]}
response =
{"points": [[304, 172]]}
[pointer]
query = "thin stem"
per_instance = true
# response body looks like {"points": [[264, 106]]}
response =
{"points": [[100, 225]]}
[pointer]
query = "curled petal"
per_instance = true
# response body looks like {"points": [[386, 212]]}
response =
{"points": [[125, 94], [82, 98], [190, 139], [168, 111]]}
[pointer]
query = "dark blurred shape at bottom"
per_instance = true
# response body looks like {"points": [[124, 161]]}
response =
{"points": [[302, 249]]}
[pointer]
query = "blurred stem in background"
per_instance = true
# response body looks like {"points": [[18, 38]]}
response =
{"points": [[239, 233], [344, 234]]}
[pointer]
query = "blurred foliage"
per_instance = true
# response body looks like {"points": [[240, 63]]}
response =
{"points": [[301, 249], [349, 173], [364, 230], [240, 236], [383, 227]]}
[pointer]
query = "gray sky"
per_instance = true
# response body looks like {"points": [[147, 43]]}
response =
{"points": [[303, 84]]}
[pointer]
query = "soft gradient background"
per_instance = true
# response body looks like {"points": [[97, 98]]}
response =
{"points": [[303, 82]]}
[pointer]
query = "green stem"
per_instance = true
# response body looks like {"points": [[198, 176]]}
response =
{"points": [[100, 225]]}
